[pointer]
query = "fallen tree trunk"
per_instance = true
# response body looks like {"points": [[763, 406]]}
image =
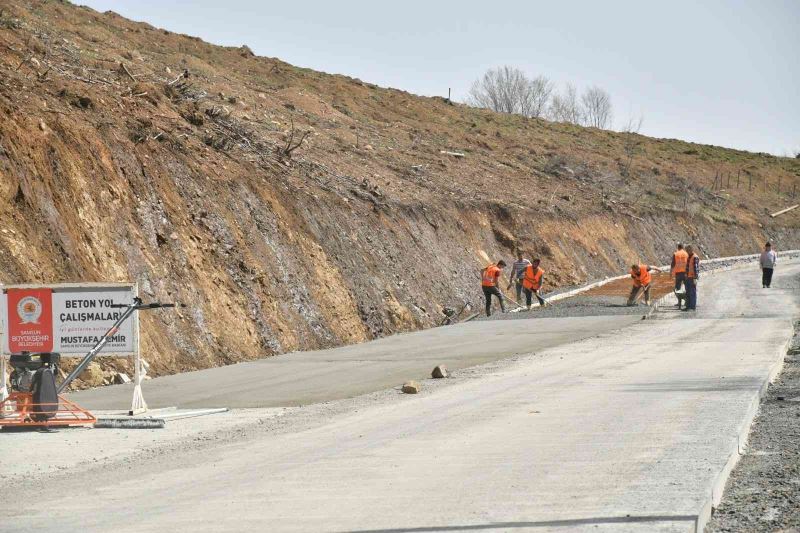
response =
{"points": [[773, 215]]}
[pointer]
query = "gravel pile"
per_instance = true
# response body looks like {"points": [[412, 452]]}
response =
{"points": [[575, 306], [763, 493]]}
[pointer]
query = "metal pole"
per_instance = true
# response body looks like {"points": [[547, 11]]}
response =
{"points": [[3, 385], [138, 405], [99, 345]]}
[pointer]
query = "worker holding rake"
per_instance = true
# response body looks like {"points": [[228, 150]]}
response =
{"points": [[532, 281], [641, 282], [490, 283]]}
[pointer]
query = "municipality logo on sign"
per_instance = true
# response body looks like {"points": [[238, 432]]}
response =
{"points": [[29, 310]]}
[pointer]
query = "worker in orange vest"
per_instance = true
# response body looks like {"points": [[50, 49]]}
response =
{"points": [[692, 274], [641, 282], [677, 270], [532, 281], [490, 283]]}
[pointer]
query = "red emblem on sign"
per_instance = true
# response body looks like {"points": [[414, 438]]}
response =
{"points": [[30, 320]]}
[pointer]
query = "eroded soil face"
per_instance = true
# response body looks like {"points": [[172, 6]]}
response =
{"points": [[294, 210]]}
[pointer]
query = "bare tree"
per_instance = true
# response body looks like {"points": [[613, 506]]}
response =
{"points": [[565, 106], [539, 90], [634, 125], [291, 143], [509, 90], [597, 111]]}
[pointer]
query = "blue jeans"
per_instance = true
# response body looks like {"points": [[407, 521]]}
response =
{"points": [[691, 293], [518, 287]]}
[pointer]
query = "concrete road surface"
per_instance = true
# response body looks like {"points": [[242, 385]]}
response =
{"points": [[307, 377], [630, 431]]}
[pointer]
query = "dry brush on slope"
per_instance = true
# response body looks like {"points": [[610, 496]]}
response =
{"points": [[132, 153]]}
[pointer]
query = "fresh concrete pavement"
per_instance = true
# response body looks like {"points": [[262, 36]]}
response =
{"points": [[307, 377], [631, 430]]}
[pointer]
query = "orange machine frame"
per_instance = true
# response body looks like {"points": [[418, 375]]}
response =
{"points": [[18, 410]]}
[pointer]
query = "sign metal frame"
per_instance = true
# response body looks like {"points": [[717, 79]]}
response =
{"points": [[138, 404]]}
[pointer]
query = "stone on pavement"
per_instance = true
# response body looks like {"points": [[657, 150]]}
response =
{"points": [[411, 387], [439, 372]]}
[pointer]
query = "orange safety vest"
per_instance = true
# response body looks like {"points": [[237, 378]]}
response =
{"points": [[533, 278], [490, 275], [690, 271], [681, 258], [641, 278]]}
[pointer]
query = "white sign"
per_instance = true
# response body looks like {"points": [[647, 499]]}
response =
{"points": [[81, 314]]}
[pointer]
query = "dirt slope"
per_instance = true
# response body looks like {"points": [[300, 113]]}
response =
{"points": [[132, 153]]}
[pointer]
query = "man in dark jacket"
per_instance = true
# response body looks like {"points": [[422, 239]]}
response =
{"points": [[767, 261]]}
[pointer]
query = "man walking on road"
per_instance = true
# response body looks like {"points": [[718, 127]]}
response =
{"points": [[532, 281], [641, 282], [678, 271], [490, 282], [767, 260], [692, 274], [517, 273]]}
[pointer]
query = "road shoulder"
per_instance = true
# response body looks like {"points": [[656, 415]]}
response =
{"points": [[763, 492]]}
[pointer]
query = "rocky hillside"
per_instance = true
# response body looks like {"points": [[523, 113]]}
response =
{"points": [[292, 209]]}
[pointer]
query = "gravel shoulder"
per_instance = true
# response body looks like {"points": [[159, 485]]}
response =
{"points": [[763, 492]]}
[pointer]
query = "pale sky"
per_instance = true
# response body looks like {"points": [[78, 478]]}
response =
{"points": [[712, 71]]}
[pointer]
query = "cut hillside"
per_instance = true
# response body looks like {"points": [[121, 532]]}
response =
{"points": [[129, 153]]}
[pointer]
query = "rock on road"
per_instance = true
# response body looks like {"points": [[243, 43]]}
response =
{"points": [[631, 430]]}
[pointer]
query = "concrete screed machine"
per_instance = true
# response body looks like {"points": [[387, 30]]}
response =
{"points": [[35, 400]]}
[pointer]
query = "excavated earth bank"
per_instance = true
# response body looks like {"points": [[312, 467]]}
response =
{"points": [[294, 210]]}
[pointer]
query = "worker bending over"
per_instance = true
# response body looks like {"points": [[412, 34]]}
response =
{"points": [[490, 282], [678, 271], [692, 273], [641, 282], [532, 281]]}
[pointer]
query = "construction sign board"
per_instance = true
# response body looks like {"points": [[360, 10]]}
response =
{"points": [[68, 319]]}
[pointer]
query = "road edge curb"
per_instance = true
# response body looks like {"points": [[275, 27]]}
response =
{"points": [[742, 436]]}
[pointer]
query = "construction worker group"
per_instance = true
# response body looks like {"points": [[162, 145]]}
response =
{"points": [[527, 275], [528, 278], [684, 269]]}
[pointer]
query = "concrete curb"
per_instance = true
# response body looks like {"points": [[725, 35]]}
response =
{"points": [[742, 435], [743, 432], [590, 286]]}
